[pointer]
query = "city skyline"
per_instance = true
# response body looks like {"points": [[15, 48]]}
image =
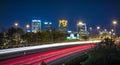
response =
{"points": [[93, 13]]}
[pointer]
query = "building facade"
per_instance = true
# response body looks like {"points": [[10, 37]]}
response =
{"points": [[63, 25], [82, 31], [82, 27], [36, 25]]}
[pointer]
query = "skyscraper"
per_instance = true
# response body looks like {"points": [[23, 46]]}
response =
{"points": [[82, 31], [63, 25], [82, 27], [48, 26], [36, 25]]}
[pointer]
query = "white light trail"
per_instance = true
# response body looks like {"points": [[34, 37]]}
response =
{"points": [[11, 50]]}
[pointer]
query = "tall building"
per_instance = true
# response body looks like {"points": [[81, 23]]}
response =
{"points": [[82, 27], [63, 25], [36, 25], [48, 26], [82, 31]]}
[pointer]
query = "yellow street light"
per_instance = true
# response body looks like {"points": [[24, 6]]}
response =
{"points": [[110, 32], [114, 22], [80, 23]]}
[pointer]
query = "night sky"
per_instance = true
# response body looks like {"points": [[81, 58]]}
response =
{"points": [[92, 12]]}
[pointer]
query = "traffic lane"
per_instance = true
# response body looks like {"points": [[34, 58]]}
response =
{"points": [[20, 49], [22, 53], [59, 56], [64, 59], [37, 55]]}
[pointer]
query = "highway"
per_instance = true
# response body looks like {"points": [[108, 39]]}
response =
{"points": [[13, 50], [46, 56]]}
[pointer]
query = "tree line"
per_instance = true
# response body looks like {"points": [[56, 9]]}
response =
{"points": [[18, 37]]}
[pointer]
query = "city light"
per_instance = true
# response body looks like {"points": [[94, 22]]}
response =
{"points": [[27, 26], [45, 23], [90, 28], [63, 23], [114, 34], [36, 25], [80, 23], [69, 31], [98, 27], [36, 20], [114, 22], [112, 30], [50, 23], [12, 50], [16, 24]]}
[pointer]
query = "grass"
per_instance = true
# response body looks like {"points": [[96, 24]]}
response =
{"points": [[77, 60]]}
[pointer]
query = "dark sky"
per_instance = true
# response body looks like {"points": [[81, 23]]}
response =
{"points": [[92, 12]]}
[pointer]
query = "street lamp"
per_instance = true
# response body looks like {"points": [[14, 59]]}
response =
{"points": [[16, 35], [112, 30], [27, 27], [80, 23], [90, 28], [114, 23], [114, 34], [98, 27], [16, 24], [110, 33]]}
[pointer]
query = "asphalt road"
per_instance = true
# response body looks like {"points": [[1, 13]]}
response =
{"points": [[62, 60], [56, 55]]}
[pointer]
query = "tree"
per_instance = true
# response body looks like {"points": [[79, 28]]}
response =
{"points": [[13, 30], [14, 34]]}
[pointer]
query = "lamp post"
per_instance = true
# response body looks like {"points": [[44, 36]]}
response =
{"points": [[16, 25], [98, 28], [114, 23], [90, 28], [16, 35], [27, 27], [79, 26]]}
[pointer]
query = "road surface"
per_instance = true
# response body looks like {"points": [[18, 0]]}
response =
{"points": [[46, 56]]}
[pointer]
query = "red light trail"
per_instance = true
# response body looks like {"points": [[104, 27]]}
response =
{"points": [[46, 56]]}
